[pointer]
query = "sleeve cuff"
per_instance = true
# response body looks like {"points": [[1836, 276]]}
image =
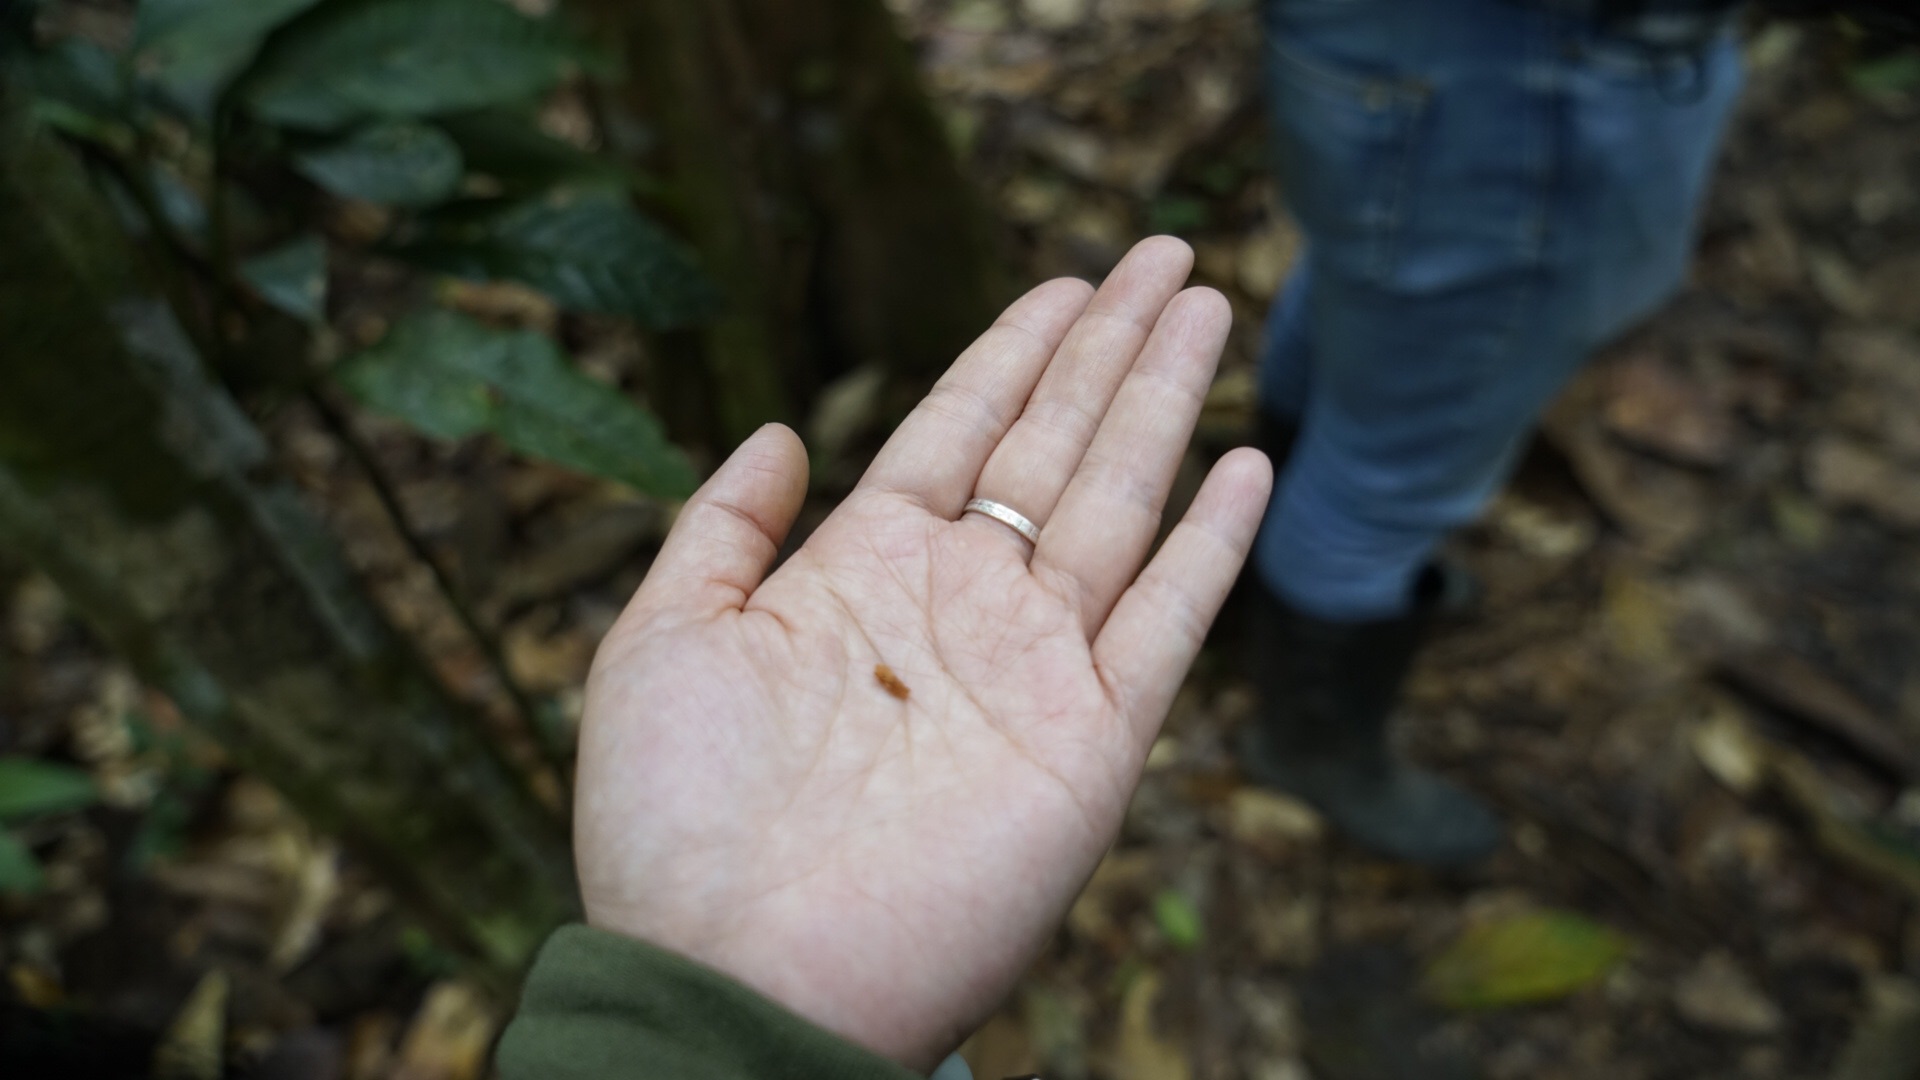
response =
{"points": [[599, 1006]]}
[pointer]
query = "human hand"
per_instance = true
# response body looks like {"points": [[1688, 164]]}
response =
{"points": [[751, 794]]}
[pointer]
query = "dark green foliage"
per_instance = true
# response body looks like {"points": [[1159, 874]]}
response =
{"points": [[193, 48], [590, 251], [292, 277], [397, 163], [505, 147], [354, 59], [452, 377], [19, 870], [30, 788], [400, 103], [80, 90]]}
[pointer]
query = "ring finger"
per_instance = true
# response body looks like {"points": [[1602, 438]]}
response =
{"points": [[1036, 459]]}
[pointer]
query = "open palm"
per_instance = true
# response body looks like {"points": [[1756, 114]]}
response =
{"points": [[884, 851]]}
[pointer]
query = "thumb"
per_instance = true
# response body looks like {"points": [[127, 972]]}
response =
{"points": [[731, 530]]}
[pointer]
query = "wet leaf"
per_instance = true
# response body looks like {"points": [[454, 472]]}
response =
{"points": [[452, 377], [19, 870], [1178, 919], [1536, 956], [400, 164], [590, 252], [292, 277], [30, 788], [407, 58]]}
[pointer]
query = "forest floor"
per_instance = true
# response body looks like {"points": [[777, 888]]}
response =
{"points": [[1691, 686]]}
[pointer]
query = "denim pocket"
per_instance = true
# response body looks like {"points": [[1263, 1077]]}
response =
{"points": [[1345, 142]]}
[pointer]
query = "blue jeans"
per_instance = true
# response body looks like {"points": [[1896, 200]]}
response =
{"points": [[1489, 192]]}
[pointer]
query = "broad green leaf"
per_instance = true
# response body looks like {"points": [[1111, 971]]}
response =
{"points": [[401, 164], [1537, 956], [292, 277], [589, 251], [1178, 919], [193, 48], [19, 870], [452, 377], [30, 788], [407, 58]]}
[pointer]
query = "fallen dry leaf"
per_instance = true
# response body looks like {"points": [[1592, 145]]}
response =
{"points": [[1054, 15], [1141, 1052], [1651, 406], [194, 1045], [1718, 995], [1271, 822], [449, 1036], [1727, 748], [1847, 473]]}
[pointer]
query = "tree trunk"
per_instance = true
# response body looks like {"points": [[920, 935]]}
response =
{"points": [[140, 487], [818, 184]]}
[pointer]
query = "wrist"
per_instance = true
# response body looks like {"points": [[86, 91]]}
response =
{"points": [[820, 989]]}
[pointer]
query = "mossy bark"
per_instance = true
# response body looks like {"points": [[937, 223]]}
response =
{"points": [[819, 185], [142, 489]]}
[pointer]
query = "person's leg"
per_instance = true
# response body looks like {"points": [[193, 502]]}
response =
{"points": [[1488, 192], [1286, 362]]}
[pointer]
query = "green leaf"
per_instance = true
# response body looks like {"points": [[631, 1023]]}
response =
{"points": [[1178, 214], [1178, 919], [508, 147], [407, 58], [451, 377], [402, 164], [194, 48], [1888, 75], [590, 251], [19, 870], [1537, 956], [292, 277], [162, 833], [30, 788]]}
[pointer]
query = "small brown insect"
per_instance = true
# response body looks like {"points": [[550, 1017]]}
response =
{"points": [[884, 675]]}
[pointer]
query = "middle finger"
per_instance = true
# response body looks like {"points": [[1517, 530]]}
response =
{"points": [[1042, 450]]}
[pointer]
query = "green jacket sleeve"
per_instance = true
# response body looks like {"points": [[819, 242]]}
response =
{"points": [[599, 1006]]}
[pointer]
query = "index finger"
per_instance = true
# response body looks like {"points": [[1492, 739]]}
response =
{"points": [[937, 453]]}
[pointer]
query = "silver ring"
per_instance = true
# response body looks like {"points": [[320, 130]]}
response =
{"points": [[1006, 515]]}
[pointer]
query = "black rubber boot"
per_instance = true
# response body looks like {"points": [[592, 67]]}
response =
{"points": [[1327, 691]]}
